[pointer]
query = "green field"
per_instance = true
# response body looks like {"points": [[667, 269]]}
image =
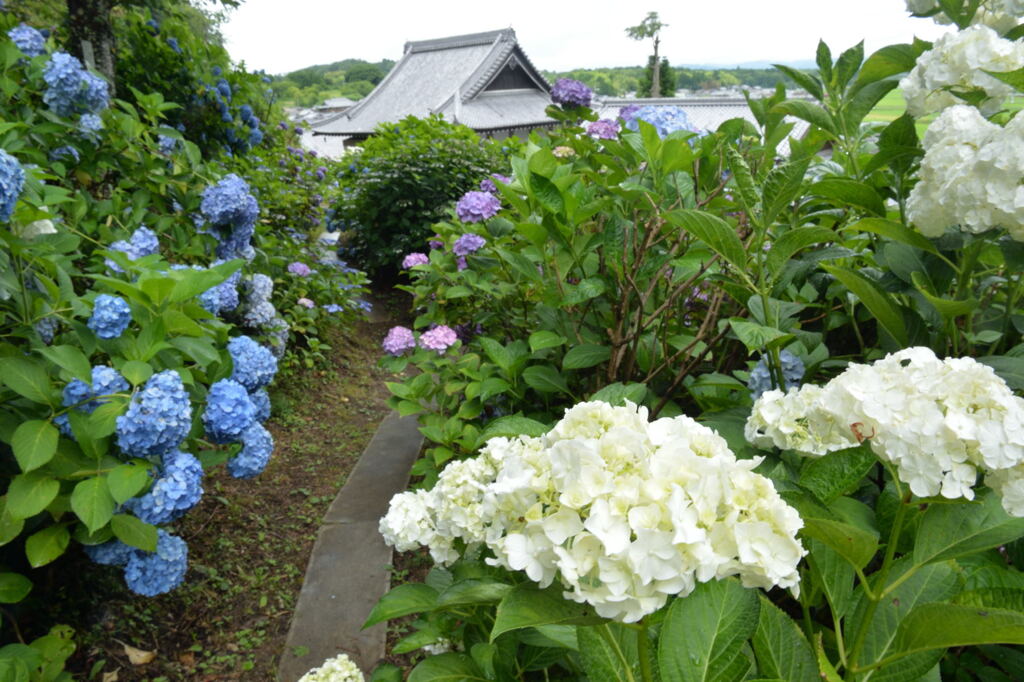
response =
{"points": [[892, 107]]}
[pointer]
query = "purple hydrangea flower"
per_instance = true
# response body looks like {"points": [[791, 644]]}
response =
{"points": [[298, 268], [603, 129], [461, 263], [476, 206], [306, 303], [440, 338], [467, 244], [110, 316], [571, 93], [333, 308], [399, 340], [414, 259], [435, 243]]}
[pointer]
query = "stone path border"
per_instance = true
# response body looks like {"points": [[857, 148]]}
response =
{"points": [[348, 569]]}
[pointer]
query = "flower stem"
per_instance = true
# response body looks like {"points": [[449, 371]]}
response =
{"points": [[643, 652]]}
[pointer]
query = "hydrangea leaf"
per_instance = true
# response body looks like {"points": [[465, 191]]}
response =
{"points": [[126, 480], [46, 545], [528, 606], [70, 358], [586, 355], [30, 494], [855, 545], [402, 601], [609, 652], [132, 531], [837, 472], [27, 378], [92, 502], [948, 531], [13, 587], [450, 666], [545, 379], [940, 626], [34, 444], [780, 647]]}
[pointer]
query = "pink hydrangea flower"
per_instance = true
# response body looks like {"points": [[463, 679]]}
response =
{"points": [[306, 303], [439, 338], [398, 340], [298, 268], [414, 259]]}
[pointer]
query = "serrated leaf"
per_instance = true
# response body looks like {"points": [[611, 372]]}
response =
{"points": [[1010, 369], [609, 652], [34, 443], [947, 531], [780, 646], [92, 502], [837, 473], [781, 187], [807, 111], [136, 372], [30, 494], [717, 234], [940, 626], [545, 379], [402, 601], [847, 191], [46, 545], [511, 426], [855, 545], [27, 378], [71, 359], [526, 605], [793, 241], [618, 393], [874, 299], [450, 667], [586, 355], [894, 231], [134, 532], [545, 339], [473, 591]]}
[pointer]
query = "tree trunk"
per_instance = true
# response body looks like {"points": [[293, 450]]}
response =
{"points": [[92, 36], [655, 72]]}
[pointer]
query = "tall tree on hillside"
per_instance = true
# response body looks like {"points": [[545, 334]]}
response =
{"points": [[668, 80], [650, 27]]}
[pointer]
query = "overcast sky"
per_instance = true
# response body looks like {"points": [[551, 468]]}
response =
{"points": [[284, 35]]}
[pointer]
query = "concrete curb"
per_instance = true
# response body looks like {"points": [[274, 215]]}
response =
{"points": [[348, 569]]}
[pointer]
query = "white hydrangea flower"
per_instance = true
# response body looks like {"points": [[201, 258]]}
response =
{"points": [[937, 421], [958, 60], [1001, 15], [972, 175], [620, 511], [1009, 485], [338, 669]]}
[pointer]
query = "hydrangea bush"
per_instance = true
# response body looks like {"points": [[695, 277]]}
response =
{"points": [[840, 312]]}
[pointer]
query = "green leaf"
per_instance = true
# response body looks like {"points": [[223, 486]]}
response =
{"points": [[744, 180], [948, 531], [493, 386], [833, 573], [1013, 78], [719, 236], [387, 672], [136, 372], [526, 605], [92, 502], [753, 335], [846, 191], [134, 532], [498, 354], [837, 473], [805, 80], [847, 64], [401, 601], [809, 112], [201, 350], [618, 393], [793, 241], [781, 187], [547, 193], [888, 61], [70, 358], [1010, 369], [190, 283], [545, 339], [34, 443], [946, 307], [30, 494], [587, 355], [511, 426], [545, 379], [46, 545], [609, 652], [472, 591], [854, 544], [450, 667], [728, 616], [27, 378], [13, 587], [894, 231], [875, 299], [780, 647], [940, 626]]}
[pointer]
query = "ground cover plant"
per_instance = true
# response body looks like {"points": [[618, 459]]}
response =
{"points": [[697, 412]]}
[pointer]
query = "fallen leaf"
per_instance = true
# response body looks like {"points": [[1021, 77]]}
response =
{"points": [[110, 677], [138, 656], [187, 659]]}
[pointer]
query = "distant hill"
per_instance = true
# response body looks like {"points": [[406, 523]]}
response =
{"points": [[352, 78]]}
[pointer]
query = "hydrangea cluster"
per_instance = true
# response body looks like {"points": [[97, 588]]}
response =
{"points": [[153, 573], [158, 418], [229, 411], [761, 379], [623, 512], [439, 339], [232, 210], [337, 669], [12, 181], [110, 316], [261, 401], [306, 302], [937, 421], [257, 446], [222, 297], [571, 93], [30, 41], [257, 310], [489, 184], [413, 259], [971, 175], [603, 129], [476, 206], [300, 269], [468, 243], [178, 488], [666, 120], [111, 553], [959, 61], [65, 153], [71, 89], [90, 124], [143, 242], [254, 365], [105, 381], [47, 328], [399, 340], [1001, 15]]}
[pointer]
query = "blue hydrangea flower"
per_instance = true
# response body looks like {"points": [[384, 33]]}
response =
{"points": [[105, 381], [110, 316], [254, 365], [167, 144], [224, 296], [90, 124], [229, 411], [110, 553], [224, 88], [760, 378], [571, 93], [215, 71], [71, 89], [245, 112], [173, 44], [229, 202], [47, 329], [333, 308], [259, 287], [12, 181], [158, 418], [67, 152], [666, 120], [261, 401], [153, 573], [178, 488], [154, 28], [257, 446], [255, 136], [29, 40], [259, 314]]}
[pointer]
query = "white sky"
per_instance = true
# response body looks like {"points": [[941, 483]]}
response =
{"points": [[284, 35]]}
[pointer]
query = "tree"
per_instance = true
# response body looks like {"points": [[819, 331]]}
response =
{"points": [[668, 80], [650, 27], [364, 72]]}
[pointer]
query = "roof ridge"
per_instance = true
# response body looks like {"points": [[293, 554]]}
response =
{"points": [[466, 40]]}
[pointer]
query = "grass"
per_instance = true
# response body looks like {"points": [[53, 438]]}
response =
{"points": [[893, 105]]}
